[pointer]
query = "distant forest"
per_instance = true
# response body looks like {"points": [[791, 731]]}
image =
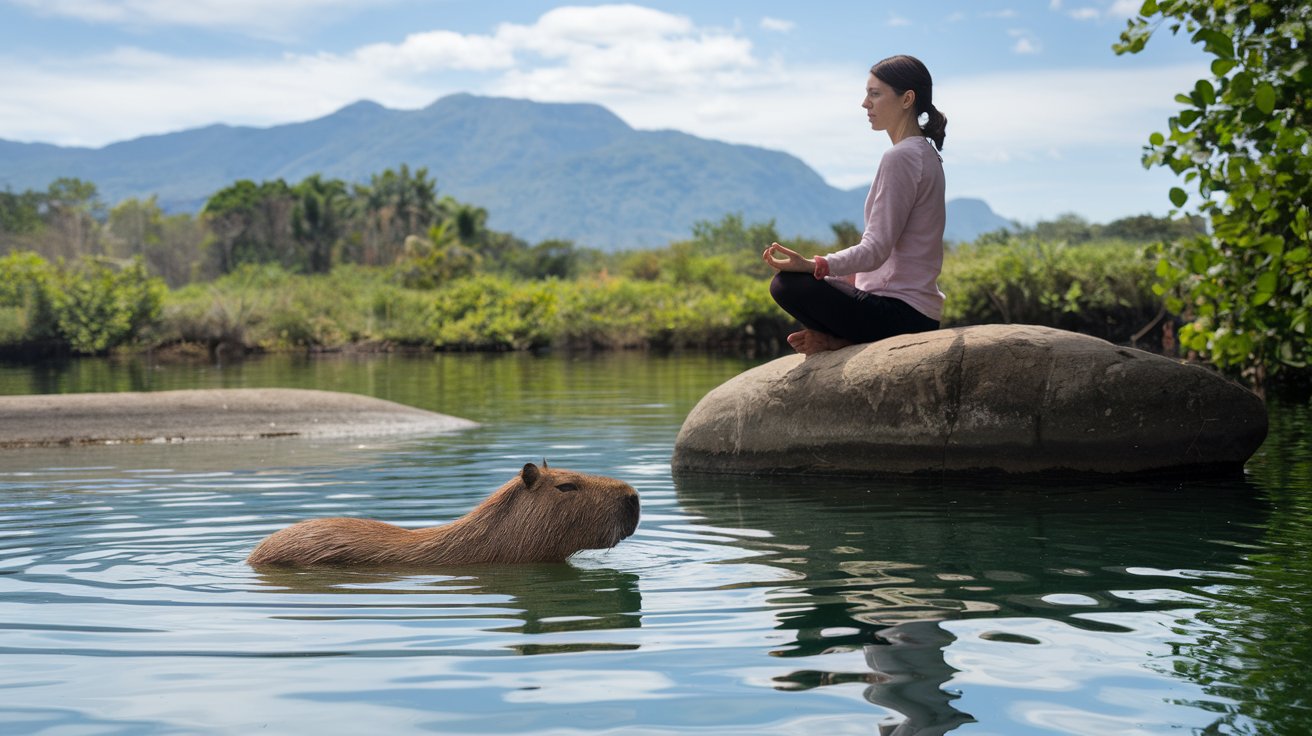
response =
{"points": [[308, 227], [396, 220]]}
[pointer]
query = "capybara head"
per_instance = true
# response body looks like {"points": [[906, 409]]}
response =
{"points": [[549, 513]]}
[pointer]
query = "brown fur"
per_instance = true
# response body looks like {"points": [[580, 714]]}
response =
{"points": [[541, 515]]}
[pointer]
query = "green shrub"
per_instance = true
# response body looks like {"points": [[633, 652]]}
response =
{"points": [[266, 307], [13, 325], [495, 313], [87, 308], [1098, 288]]}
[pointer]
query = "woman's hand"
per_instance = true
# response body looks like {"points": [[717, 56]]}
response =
{"points": [[782, 259]]}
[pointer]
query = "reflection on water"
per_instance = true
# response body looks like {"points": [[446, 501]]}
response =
{"points": [[535, 599], [741, 605], [886, 568], [1252, 648]]}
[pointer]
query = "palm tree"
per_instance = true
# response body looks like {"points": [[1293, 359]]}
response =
{"points": [[319, 220]]}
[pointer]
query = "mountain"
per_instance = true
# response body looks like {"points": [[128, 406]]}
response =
{"points": [[969, 218], [570, 171]]}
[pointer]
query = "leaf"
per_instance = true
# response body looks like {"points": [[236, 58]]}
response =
{"points": [[1265, 98], [1266, 285], [1241, 84], [1156, 139], [1178, 196], [1205, 92], [1221, 66], [1216, 42]]}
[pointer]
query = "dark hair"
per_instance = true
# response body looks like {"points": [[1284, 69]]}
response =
{"points": [[904, 73]]}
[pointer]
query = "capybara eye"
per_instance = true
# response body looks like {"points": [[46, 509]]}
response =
{"points": [[567, 487]]}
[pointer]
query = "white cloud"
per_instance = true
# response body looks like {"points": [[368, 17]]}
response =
{"points": [[422, 52], [955, 17], [605, 53], [778, 25], [1083, 14], [1025, 43], [564, 29], [1060, 109], [596, 53], [897, 21], [1125, 8]]}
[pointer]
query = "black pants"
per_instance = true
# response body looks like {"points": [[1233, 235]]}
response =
{"points": [[837, 308]]}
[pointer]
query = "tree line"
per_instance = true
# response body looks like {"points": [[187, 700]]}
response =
{"points": [[395, 219], [399, 220]]}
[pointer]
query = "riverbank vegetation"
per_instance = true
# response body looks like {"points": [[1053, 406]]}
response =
{"points": [[390, 265]]}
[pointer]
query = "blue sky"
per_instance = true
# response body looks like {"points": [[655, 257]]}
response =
{"points": [[1043, 117]]}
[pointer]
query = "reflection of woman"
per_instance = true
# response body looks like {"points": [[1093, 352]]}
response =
{"points": [[897, 263]]}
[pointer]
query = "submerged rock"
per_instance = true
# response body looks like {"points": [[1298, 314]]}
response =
{"points": [[1008, 398], [208, 414]]}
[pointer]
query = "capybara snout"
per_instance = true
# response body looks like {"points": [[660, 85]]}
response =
{"points": [[631, 513], [543, 514]]}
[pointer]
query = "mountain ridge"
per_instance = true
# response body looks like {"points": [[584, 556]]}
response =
{"points": [[572, 171]]}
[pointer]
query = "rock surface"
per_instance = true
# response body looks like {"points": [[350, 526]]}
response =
{"points": [[211, 414], [1009, 398]]}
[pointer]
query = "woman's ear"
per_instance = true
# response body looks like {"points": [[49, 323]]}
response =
{"points": [[909, 99], [530, 475]]}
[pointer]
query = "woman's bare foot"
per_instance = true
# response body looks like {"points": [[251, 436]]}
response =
{"points": [[797, 339], [807, 342]]}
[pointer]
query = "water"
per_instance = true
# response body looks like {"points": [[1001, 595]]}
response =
{"points": [[741, 606]]}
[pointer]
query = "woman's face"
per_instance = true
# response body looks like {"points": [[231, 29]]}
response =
{"points": [[885, 108]]}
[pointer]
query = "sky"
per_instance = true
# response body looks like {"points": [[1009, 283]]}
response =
{"points": [[1043, 117]]}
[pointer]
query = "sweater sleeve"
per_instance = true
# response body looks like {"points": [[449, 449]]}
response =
{"points": [[888, 208]]}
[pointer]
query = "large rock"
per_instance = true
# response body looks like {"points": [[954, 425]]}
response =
{"points": [[1010, 398]]}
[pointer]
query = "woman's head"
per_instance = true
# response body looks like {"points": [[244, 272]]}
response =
{"points": [[905, 74]]}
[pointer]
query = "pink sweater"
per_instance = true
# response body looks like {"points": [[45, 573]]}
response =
{"points": [[901, 253]]}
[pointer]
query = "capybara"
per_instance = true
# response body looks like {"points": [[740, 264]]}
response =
{"points": [[541, 515]]}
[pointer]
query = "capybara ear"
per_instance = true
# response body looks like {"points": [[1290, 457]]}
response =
{"points": [[530, 475]]}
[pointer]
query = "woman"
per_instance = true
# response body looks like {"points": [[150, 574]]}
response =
{"points": [[892, 274]]}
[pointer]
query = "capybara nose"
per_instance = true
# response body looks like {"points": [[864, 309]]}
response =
{"points": [[631, 512]]}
